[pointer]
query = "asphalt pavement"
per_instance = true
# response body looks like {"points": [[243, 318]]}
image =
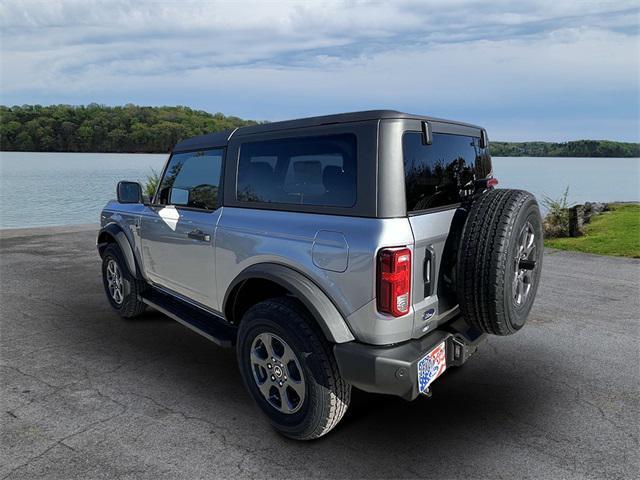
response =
{"points": [[86, 394]]}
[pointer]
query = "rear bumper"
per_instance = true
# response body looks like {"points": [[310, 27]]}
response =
{"points": [[393, 369]]}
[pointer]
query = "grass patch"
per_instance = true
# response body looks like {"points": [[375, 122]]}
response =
{"points": [[616, 232]]}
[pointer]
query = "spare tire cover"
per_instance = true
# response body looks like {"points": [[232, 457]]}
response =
{"points": [[499, 261]]}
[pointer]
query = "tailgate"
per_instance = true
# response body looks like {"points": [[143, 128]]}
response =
{"points": [[431, 304]]}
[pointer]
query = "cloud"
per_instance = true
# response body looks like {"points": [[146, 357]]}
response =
{"points": [[499, 63]]}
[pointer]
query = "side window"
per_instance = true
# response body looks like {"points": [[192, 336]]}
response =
{"points": [[440, 174], [192, 180], [302, 170]]}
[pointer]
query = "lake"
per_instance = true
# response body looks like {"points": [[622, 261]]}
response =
{"points": [[42, 189]]}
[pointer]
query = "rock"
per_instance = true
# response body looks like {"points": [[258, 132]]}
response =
{"points": [[593, 208]]}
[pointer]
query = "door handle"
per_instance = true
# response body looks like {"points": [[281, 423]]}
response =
{"points": [[199, 235], [428, 271]]}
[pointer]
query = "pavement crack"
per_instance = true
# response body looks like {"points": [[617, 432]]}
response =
{"points": [[62, 441], [16, 369]]}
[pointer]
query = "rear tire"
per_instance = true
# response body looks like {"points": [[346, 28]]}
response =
{"points": [[315, 398], [499, 261], [121, 287]]}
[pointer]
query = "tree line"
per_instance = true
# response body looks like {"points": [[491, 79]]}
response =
{"points": [[578, 148], [99, 128], [136, 129]]}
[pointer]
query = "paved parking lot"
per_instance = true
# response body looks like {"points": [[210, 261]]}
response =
{"points": [[85, 394]]}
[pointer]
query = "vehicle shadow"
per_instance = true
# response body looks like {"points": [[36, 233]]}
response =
{"points": [[474, 412]]}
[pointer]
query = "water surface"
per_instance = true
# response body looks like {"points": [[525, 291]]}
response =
{"points": [[588, 179], [38, 189], [43, 189]]}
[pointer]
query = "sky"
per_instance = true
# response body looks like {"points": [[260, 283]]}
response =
{"points": [[525, 70]]}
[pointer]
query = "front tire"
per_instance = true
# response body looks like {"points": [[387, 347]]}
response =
{"points": [[289, 369], [121, 287]]}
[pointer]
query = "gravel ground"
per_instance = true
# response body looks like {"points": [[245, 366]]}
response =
{"points": [[85, 394]]}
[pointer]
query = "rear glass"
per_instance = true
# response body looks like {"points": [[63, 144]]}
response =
{"points": [[440, 174], [300, 171]]}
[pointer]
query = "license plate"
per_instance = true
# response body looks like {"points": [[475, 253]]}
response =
{"points": [[431, 366]]}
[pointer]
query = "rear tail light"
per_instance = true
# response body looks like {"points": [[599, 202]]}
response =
{"points": [[394, 281]]}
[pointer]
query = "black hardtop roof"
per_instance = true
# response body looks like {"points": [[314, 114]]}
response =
{"points": [[220, 139], [208, 140]]}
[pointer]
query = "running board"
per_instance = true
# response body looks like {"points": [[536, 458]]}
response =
{"points": [[207, 324]]}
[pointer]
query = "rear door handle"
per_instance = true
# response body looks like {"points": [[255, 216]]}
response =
{"points": [[428, 271], [199, 235]]}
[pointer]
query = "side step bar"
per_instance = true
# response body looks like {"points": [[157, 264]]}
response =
{"points": [[209, 325]]}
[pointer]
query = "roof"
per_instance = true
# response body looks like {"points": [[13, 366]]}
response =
{"points": [[221, 138], [204, 141]]}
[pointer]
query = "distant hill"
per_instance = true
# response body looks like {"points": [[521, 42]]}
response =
{"points": [[578, 148], [136, 129], [98, 128]]}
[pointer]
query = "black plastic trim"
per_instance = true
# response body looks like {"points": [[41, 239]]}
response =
{"points": [[326, 314], [209, 325], [392, 369], [442, 208], [116, 232]]}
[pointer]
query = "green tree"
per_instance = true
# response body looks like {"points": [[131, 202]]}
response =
{"points": [[99, 128], [132, 128]]}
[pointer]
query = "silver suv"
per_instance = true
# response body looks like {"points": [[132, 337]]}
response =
{"points": [[365, 249]]}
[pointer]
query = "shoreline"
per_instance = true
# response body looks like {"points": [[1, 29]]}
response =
{"points": [[7, 233], [169, 153]]}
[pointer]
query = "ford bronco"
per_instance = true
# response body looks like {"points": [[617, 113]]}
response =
{"points": [[366, 250]]}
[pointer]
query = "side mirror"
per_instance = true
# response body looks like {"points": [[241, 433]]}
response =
{"points": [[129, 192]]}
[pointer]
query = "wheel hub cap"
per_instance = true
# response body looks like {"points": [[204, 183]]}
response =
{"points": [[114, 282], [277, 373], [524, 265]]}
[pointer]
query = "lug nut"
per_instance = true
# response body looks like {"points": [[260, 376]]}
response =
{"points": [[280, 383], [273, 378], [268, 365]]}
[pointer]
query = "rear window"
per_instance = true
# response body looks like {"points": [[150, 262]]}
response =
{"points": [[440, 174], [299, 171]]}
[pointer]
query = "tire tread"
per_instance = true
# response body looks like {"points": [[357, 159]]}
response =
{"points": [[132, 306], [482, 258], [339, 392]]}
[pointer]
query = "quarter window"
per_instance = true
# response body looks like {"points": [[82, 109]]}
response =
{"points": [[440, 174], [301, 171], [192, 180]]}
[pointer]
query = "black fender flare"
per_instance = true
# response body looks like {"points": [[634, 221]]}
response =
{"points": [[116, 232], [328, 317]]}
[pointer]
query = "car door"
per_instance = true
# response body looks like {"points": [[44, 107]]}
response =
{"points": [[177, 231]]}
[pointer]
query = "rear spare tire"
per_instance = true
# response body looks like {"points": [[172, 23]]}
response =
{"points": [[500, 260]]}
